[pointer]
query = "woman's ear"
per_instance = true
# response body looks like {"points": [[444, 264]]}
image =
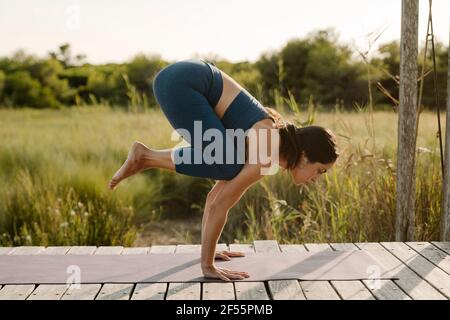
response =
{"points": [[303, 160]]}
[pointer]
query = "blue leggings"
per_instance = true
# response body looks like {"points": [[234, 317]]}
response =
{"points": [[187, 91]]}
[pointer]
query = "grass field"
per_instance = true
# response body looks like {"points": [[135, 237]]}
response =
{"points": [[55, 165]]}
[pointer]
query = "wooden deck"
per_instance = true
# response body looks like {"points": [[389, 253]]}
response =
{"points": [[424, 274]]}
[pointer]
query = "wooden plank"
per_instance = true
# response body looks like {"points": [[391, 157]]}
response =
{"points": [[218, 291], [20, 291], [343, 246], [286, 290], [424, 268], [113, 291], [13, 292], [163, 249], [188, 248], [315, 247], [81, 250], [50, 291], [6, 250], [292, 248], [408, 284], [350, 290], [318, 290], [109, 250], [444, 246], [55, 250], [266, 246], [248, 290], [136, 250], [16, 292], [209, 291], [433, 254], [244, 247], [370, 246], [153, 291], [28, 250], [185, 290], [149, 291], [280, 289], [388, 290], [84, 291]]}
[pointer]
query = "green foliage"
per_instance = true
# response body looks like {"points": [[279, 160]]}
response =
{"points": [[316, 67], [141, 70], [22, 90], [52, 161], [38, 86], [356, 200], [34, 213], [55, 166], [2, 82]]}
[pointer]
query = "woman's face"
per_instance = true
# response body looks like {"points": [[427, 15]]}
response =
{"points": [[306, 172]]}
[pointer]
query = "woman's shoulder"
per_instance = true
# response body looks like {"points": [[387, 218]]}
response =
{"points": [[264, 132], [264, 124]]}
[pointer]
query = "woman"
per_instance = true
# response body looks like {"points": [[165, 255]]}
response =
{"points": [[192, 92]]}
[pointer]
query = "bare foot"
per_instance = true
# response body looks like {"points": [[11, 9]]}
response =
{"points": [[133, 164]]}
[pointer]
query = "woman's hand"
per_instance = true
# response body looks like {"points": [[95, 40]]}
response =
{"points": [[226, 255], [223, 273]]}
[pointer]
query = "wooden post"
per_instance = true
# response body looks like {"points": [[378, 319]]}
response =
{"points": [[407, 122], [445, 216]]}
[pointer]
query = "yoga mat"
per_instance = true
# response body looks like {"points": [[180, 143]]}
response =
{"points": [[185, 267]]}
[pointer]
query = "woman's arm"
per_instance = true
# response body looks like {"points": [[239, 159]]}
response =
{"points": [[224, 254], [209, 199], [217, 212]]}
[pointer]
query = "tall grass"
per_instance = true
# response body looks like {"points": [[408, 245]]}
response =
{"points": [[356, 200], [55, 165]]}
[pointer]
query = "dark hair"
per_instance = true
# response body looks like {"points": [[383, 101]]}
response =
{"points": [[317, 143]]}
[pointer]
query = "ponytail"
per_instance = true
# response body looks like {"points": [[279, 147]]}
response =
{"points": [[316, 143], [290, 144]]}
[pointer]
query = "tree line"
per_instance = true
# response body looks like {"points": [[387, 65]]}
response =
{"points": [[316, 67]]}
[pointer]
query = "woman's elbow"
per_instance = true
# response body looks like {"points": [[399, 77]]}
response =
{"points": [[218, 206], [223, 204]]}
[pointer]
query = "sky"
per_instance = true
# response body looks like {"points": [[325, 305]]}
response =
{"points": [[236, 30]]}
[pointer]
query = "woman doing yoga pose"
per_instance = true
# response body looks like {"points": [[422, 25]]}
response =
{"points": [[200, 99]]}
